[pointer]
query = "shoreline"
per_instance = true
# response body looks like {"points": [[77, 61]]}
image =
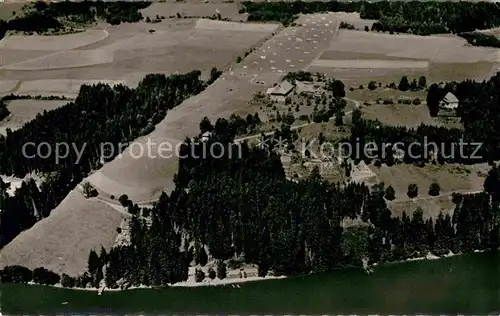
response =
{"points": [[185, 284], [338, 292], [429, 256], [207, 282]]}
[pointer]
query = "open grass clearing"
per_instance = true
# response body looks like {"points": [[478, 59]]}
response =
{"points": [[8, 85], [450, 177], [369, 64], [23, 111], [53, 43], [449, 58], [435, 72], [74, 227], [10, 10], [14, 56], [362, 76], [64, 59], [331, 132], [371, 96], [339, 55], [67, 87], [408, 115], [438, 48], [443, 72], [430, 206]]}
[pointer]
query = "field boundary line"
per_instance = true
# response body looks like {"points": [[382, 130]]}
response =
{"points": [[52, 54]]}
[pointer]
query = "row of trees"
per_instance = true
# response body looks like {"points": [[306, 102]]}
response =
{"points": [[300, 75], [99, 114], [390, 193], [4, 112], [404, 84], [422, 18], [12, 96], [44, 16], [20, 274]]}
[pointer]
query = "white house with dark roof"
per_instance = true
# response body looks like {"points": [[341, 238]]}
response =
{"points": [[450, 101], [281, 91]]}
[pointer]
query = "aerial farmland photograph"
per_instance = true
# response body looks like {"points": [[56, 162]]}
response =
{"points": [[211, 157]]}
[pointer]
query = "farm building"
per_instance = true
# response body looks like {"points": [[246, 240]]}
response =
{"points": [[281, 91], [206, 136], [449, 101]]}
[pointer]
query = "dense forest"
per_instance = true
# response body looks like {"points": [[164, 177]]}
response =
{"points": [[99, 114], [287, 12], [422, 18], [44, 16], [4, 112], [480, 39], [244, 207]]}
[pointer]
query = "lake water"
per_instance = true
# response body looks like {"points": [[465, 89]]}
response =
{"points": [[468, 284]]}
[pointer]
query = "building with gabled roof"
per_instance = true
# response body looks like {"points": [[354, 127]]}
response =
{"points": [[450, 101], [281, 91]]}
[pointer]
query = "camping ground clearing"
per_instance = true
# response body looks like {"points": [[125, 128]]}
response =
{"points": [[23, 111]]}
